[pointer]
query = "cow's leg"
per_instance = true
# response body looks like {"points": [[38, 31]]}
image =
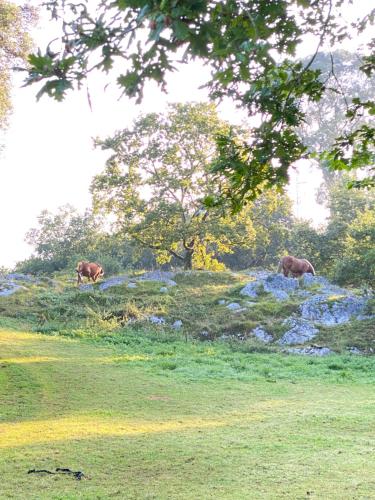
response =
{"points": [[79, 278]]}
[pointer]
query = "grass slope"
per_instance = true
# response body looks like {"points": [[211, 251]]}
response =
{"points": [[111, 315]]}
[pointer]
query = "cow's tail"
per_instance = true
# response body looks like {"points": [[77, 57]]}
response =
{"points": [[312, 270]]}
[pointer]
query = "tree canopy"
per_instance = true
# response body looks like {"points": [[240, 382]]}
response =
{"points": [[15, 45], [156, 180], [250, 47]]}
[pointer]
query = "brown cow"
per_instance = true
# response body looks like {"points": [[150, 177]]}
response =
{"points": [[90, 270], [297, 267]]}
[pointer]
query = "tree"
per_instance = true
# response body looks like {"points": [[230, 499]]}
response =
{"points": [[64, 236], [271, 216], [327, 118], [250, 47], [156, 180], [345, 206], [15, 45], [357, 263]]}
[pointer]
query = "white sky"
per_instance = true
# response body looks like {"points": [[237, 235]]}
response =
{"points": [[49, 160]]}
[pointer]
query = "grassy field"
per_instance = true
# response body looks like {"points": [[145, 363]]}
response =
{"points": [[170, 420], [151, 413]]}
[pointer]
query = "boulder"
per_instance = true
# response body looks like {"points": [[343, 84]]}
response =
{"points": [[312, 350], [262, 335], [177, 324], [9, 288], [87, 287], [234, 306], [163, 289], [280, 286], [251, 289], [300, 331], [132, 285], [354, 350], [326, 310], [156, 320], [20, 277], [164, 276], [118, 280]]}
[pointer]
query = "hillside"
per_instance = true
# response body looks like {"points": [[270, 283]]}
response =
{"points": [[258, 310]]}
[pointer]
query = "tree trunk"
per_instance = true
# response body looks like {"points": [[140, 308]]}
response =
{"points": [[188, 260]]}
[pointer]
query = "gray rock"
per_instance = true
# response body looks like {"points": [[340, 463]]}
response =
{"points": [[9, 288], [221, 302], [280, 294], [170, 283], [251, 289], [234, 306], [20, 277], [324, 311], [156, 320], [259, 275], [177, 324], [262, 335], [363, 317], [163, 289], [354, 350], [280, 286], [301, 331], [86, 287], [205, 335], [118, 280], [310, 351], [132, 285], [303, 293], [157, 276], [248, 303], [310, 280]]}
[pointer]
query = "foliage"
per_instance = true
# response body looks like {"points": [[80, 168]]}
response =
{"points": [[327, 118], [15, 45], [344, 208], [271, 216], [157, 179], [249, 46], [306, 242], [63, 237], [357, 265]]}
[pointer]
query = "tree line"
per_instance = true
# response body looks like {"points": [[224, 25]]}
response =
{"points": [[156, 189]]}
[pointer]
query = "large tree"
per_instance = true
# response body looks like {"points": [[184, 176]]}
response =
{"points": [[15, 45], [156, 180], [250, 47]]}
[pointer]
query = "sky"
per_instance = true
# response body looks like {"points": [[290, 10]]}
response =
{"points": [[49, 160]]}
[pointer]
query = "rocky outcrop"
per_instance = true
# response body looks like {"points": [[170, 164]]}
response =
{"points": [[312, 350], [332, 310], [276, 284], [280, 286], [262, 335], [300, 331]]}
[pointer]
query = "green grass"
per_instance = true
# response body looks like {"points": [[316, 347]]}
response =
{"points": [[151, 413], [163, 419]]}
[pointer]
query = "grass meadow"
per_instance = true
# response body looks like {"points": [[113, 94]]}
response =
{"points": [[149, 413]]}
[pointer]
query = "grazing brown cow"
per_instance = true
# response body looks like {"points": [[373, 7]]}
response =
{"points": [[297, 267], [88, 269]]}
